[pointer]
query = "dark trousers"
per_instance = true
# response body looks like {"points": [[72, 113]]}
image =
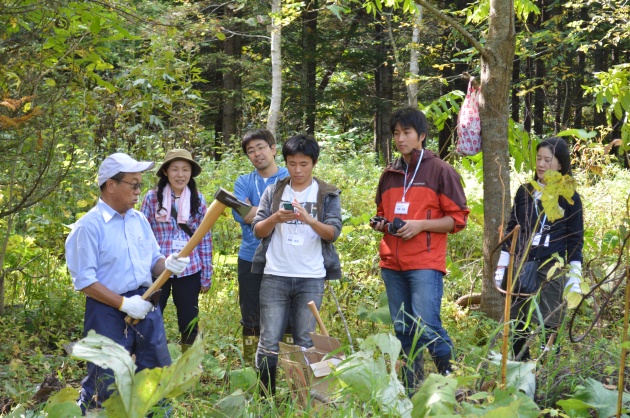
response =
{"points": [[146, 339], [249, 299], [185, 290]]}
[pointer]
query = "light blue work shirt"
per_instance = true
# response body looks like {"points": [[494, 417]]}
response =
{"points": [[118, 252], [252, 186]]}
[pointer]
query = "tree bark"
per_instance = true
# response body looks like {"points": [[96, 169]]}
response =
{"points": [[231, 88], [276, 67], [414, 70], [309, 66], [383, 77], [496, 68]]}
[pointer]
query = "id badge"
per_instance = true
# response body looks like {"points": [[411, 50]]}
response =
{"points": [[178, 245], [295, 239], [536, 240], [402, 208]]}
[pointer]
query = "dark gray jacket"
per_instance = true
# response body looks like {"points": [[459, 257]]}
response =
{"points": [[330, 215]]}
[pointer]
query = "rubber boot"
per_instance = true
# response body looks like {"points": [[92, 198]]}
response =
{"points": [[250, 345], [413, 370], [443, 364], [267, 377], [187, 341]]}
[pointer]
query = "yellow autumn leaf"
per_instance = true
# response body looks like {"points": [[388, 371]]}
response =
{"points": [[556, 185], [82, 203], [573, 300]]}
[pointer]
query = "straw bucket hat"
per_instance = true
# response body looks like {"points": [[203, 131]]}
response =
{"points": [[175, 155]]}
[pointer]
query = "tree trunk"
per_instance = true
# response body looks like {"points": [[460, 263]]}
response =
{"points": [[384, 94], [309, 66], [414, 70], [527, 117], [231, 88], [516, 78], [276, 67], [496, 68]]}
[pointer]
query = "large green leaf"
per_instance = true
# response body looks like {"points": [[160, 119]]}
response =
{"points": [[436, 397], [593, 395], [137, 393], [370, 374]]}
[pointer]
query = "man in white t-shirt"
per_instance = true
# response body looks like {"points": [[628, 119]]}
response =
{"points": [[298, 220]]}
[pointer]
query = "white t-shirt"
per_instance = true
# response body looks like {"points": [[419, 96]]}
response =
{"points": [[295, 249]]}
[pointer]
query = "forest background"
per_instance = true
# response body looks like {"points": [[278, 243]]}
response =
{"points": [[81, 80]]}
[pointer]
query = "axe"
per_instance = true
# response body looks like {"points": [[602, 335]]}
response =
{"points": [[222, 199]]}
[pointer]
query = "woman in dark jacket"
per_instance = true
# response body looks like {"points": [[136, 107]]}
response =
{"points": [[541, 239]]}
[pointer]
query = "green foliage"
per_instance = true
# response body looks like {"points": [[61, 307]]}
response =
{"points": [[370, 375], [612, 95], [593, 396], [139, 392]]}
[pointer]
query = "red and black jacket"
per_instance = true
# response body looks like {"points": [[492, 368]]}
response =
{"points": [[436, 191]]}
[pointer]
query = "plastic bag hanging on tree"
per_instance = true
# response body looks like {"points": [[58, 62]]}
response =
{"points": [[469, 123]]}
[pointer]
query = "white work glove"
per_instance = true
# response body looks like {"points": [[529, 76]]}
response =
{"points": [[136, 307], [575, 276], [504, 260], [176, 264]]}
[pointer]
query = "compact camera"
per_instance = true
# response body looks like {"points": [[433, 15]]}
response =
{"points": [[376, 219], [395, 225]]}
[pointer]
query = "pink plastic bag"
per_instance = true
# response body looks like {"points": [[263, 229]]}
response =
{"points": [[469, 123]]}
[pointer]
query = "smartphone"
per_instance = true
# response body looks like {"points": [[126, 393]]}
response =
{"points": [[288, 206]]}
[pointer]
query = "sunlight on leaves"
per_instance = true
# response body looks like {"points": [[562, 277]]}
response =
{"points": [[556, 186]]}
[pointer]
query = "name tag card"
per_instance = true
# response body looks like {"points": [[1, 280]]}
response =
{"points": [[402, 208], [295, 239], [178, 245]]}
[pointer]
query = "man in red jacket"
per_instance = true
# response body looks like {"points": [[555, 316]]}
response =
{"points": [[421, 200]]}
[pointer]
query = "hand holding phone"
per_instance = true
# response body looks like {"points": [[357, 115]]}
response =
{"points": [[377, 219], [288, 206]]}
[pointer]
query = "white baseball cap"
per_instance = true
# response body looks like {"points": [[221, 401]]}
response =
{"points": [[119, 162]]}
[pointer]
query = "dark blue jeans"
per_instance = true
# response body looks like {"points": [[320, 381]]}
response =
{"points": [[281, 299], [147, 340], [415, 300]]}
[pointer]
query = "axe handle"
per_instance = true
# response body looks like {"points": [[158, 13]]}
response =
{"points": [[212, 214], [322, 327]]}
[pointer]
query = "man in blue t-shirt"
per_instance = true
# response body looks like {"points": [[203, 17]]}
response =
{"points": [[260, 148]]}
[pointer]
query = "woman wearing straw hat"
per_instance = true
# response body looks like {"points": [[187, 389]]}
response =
{"points": [[175, 208]]}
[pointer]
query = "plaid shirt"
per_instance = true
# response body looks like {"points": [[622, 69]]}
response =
{"points": [[166, 232]]}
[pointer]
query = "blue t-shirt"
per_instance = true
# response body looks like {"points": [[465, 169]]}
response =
{"points": [[252, 186]]}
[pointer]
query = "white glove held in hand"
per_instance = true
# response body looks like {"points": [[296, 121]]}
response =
{"points": [[176, 264], [136, 307], [574, 278], [504, 260]]}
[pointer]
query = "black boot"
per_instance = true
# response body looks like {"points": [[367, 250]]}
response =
{"points": [[413, 369], [267, 377], [443, 364]]}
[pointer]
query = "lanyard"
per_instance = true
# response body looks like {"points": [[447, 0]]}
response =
{"points": [[264, 182], [542, 224], [405, 187]]}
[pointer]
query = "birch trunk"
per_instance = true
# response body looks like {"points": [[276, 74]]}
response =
{"points": [[276, 67], [412, 87]]}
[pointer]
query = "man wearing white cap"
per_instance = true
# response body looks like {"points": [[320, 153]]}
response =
{"points": [[111, 254]]}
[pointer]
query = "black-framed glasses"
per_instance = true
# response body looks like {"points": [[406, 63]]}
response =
{"points": [[254, 150], [135, 186]]}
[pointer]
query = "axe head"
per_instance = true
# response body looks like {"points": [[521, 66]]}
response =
{"points": [[229, 200]]}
